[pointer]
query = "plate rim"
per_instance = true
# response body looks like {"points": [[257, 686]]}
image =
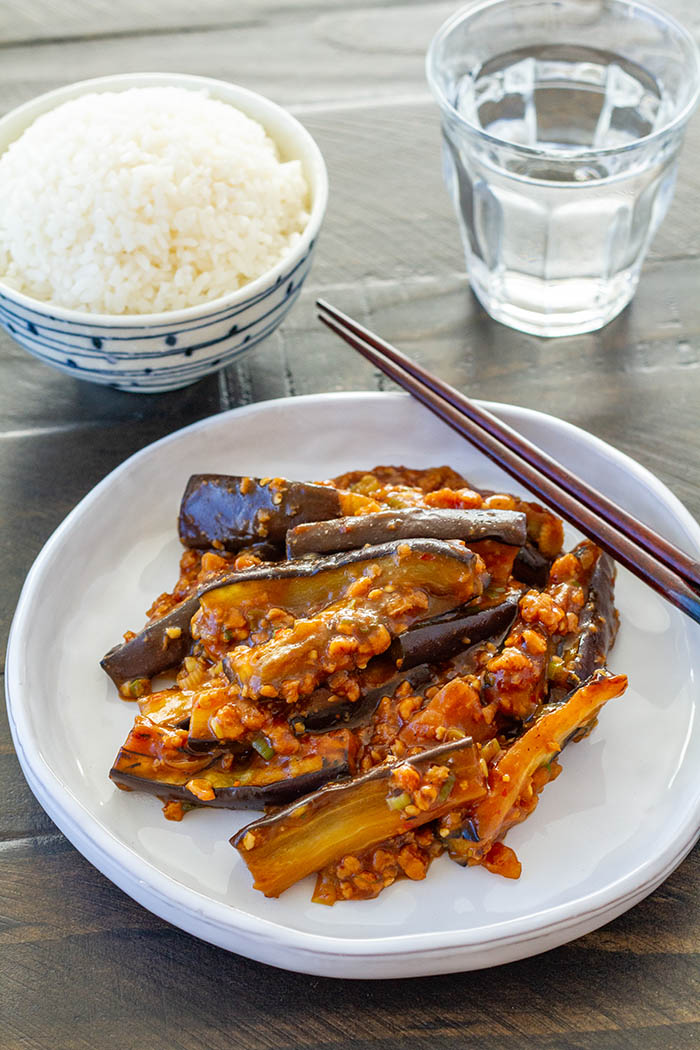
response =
{"points": [[165, 894]]}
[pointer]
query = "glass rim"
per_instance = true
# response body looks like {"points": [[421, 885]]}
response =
{"points": [[585, 153]]}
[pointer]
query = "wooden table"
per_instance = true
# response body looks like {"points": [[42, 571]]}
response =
{"points": [[82, 966]]}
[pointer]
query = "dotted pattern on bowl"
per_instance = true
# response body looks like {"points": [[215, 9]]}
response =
{"points": [[157, 357]]}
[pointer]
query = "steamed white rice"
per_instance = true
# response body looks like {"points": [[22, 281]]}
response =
{"points": [[144, 200]]}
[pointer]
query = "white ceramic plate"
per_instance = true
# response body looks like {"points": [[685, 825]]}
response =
{"points": [[621, 816]]}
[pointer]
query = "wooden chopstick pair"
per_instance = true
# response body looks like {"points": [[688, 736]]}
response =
{"points": [[663, 566]]}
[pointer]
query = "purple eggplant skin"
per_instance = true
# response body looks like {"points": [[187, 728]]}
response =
{"points": [[598, 621], [229, 512], [152, 650], [266, 552], [446, 635], [336, 796], [416, 651], [320, 715], [531, 567], [345, 534], [597, 628], [245, 796], [310, 567]]}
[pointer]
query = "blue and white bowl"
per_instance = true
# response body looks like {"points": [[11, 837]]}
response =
{"points": [[150, 353]]}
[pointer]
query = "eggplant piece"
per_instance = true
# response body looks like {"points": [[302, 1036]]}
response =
{"points": [[325, 710], [531, 567], [238, 605], [322, 711], [443, 636], [510, 796], [405, 580], [309, 585], [159, 646], [168, 707], [250, 783], [383, 526], [348, 817], [413, 580], [228, 512], [518, 678], [245, 598], [587, 651]]}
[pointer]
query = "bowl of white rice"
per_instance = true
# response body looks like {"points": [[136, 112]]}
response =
{"points": [[153, 226]]}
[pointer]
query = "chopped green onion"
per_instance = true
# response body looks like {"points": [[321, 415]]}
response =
{"points": [[263, 746], [136, 687], [555, 667], [227, 634], [490, 750], [446, 790], [399, 801]]}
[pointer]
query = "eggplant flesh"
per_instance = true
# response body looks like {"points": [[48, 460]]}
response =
{"points": [[351, 816], [297, 586], [444, 636], [171, 708], [347, 634], [229, 512], [307, 597], [295, 573], [382, 526], [536, 746]]}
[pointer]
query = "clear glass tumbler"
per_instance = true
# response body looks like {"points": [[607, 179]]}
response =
{"points": [[562, 124]]}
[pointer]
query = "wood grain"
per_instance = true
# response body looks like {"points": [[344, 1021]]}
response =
{"points": [[34, 21], [82, 967], [179, 989]]}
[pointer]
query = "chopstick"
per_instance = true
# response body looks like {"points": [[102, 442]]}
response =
{"points": [[662, 549], [649, 556]]}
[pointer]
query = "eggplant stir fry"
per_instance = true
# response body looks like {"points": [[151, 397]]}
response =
{"points": [[390, 663]]}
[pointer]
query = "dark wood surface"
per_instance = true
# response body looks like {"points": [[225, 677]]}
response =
{"points": [[82, 967]]}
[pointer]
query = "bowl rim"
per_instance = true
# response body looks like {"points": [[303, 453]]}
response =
{"points": [[252, 104]]}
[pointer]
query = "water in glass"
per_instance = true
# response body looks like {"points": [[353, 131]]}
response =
{"points": [[555, 238]]}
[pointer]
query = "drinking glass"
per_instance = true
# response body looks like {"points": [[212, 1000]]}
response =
{"points": [[562, 124]]}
